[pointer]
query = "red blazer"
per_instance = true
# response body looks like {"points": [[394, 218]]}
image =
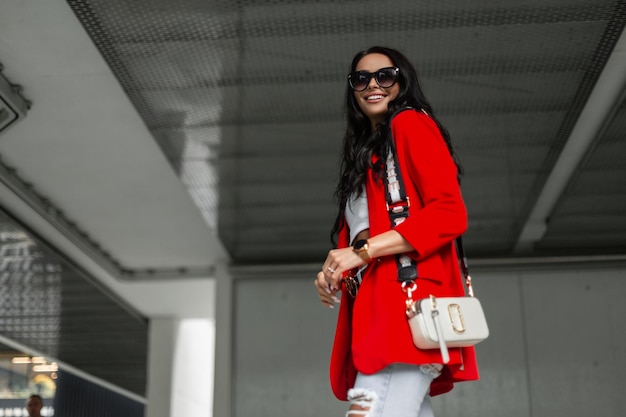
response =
{"points": [[372, 330]]}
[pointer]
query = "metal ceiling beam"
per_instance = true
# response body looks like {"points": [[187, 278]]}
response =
{"points": [[603, 101], [77, 244]]}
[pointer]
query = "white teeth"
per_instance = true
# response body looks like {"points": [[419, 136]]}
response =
{"points": [[376, 97]]}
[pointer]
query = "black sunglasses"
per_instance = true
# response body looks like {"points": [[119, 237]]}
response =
{"points": [[385, 78]]}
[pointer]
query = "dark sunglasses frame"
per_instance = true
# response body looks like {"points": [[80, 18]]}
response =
{"points": [[354, 80]]}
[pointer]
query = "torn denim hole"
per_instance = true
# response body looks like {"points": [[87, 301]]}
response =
{"points": [[432, 369], [361, 398]]}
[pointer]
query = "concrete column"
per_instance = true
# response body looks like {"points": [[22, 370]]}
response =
{"points": [[192, 390], [163, 333], [224, 305]]}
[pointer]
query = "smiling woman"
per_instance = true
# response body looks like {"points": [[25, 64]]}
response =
{"points": [[374, 85], [374, 363]]}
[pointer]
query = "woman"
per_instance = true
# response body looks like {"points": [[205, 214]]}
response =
{"points": [[374, 362]]}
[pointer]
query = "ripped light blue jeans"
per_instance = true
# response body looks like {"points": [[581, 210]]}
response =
{"points": [[399, 390]]}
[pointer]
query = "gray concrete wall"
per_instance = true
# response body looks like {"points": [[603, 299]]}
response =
{"points": [[557, 346]]}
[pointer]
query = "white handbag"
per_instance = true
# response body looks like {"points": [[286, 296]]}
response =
{"points": [[446, 322]]}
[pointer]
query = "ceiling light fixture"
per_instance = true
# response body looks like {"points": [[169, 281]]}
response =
{"points": [[52, 367]]}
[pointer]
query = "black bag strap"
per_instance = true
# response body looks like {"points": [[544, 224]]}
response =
{"points": [[398, 205], [464, 266]]}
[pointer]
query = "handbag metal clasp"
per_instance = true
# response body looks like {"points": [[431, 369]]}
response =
{"points": [[433, 302], [410, 305], [456, 318]]}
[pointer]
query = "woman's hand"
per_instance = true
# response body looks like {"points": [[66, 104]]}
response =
{"points": [[328, 295], [328, 281]]}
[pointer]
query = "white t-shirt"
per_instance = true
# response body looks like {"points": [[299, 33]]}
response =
{"points": [[357, 215]]}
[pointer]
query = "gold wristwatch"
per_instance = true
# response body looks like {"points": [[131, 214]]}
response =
{"points": [[361, 247]]}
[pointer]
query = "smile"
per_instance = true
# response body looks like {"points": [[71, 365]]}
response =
{"points": [[374, 97]]}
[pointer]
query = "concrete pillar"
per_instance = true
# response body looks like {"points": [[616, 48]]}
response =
{"points": [[224, 305], [163, 333], [192, 390]]}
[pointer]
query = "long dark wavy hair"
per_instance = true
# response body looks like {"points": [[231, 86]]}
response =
{"points": [[361, 144]]}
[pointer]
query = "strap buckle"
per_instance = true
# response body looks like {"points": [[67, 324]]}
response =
{"points": [[398, 211], [398, 206]]}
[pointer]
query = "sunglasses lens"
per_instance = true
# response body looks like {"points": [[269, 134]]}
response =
{"points": [[386, 77], [359, 80]]}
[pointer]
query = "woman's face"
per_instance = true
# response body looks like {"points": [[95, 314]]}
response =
{"points": [[374, 100]]}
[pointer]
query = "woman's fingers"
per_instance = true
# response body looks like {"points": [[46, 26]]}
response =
{"points": [[331, 275], [328, 281], [326, 294], [337, 262]]}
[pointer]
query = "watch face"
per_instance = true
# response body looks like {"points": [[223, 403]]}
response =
{"points": [[360, 245]]}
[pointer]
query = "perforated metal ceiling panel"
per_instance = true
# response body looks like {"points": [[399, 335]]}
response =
{"points": [[245, 99]]}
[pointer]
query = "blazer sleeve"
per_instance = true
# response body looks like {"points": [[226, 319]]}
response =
{"points": [[429, 173]]}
